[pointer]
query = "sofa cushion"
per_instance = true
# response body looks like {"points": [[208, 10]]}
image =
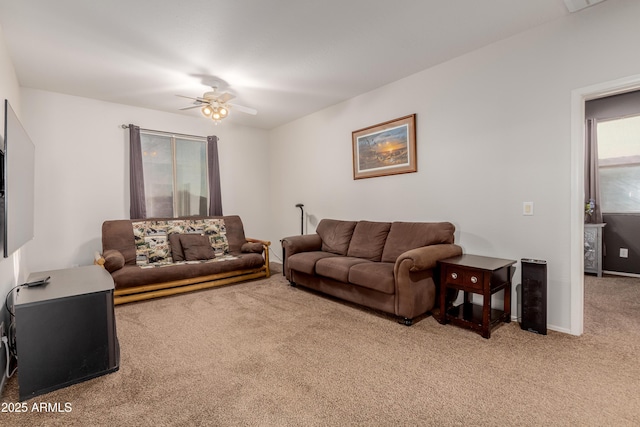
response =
{"points": [[338, 267], [196, 247], [152, 242], [117, 234], [305, 262], [130, 275], [404, 236], [376, 275], [368, 240], [234, 231], [335, 235]]}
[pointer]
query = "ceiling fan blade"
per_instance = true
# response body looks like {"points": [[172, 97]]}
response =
{"points": [[243, 109], [193, 106], [201, 100], [225, 97]]}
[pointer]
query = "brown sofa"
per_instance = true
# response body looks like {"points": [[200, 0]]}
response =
{"points": [[165, 256], [386, 266]]}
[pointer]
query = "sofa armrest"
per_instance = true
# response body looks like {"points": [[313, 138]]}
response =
{"points": [[427, 257], [296, 244], [265, 244], [416, 278], [304, 243]]}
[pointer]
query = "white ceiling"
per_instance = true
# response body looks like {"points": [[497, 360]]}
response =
{"points": [[286, 58]]}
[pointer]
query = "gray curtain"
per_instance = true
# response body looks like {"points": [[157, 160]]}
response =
{"points": [[591, 173], [138, 207], [215, 197]]}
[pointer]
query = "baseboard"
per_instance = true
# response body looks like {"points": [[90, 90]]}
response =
{"points": [[550, 327], [617, 273]]}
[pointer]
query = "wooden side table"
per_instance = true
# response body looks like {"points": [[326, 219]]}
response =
{"points": [[479, 275]]}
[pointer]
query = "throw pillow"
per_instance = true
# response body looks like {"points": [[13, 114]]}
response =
{"points": [[177, 253], [113, 260], [159, 250], [142, 250], [196, 247], [152, 243]]}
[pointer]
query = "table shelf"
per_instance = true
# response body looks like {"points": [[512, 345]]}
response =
{"points": [[469, 315]]}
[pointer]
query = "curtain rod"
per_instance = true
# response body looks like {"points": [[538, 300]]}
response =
{"points": [[169, 133]]}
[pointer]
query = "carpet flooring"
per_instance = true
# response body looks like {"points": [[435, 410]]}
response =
{"points": [[263, 353]]}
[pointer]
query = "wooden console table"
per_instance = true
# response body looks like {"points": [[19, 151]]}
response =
{"points": [[480, 275]]}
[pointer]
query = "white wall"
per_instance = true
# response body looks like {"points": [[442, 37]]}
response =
{"points": [[493, 131], [12, 269], [82, 176]]}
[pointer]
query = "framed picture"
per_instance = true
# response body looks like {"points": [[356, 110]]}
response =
{"points": [[387, 148]]}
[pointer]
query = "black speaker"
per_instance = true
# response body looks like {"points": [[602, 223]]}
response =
{"points": [[534, 296]]}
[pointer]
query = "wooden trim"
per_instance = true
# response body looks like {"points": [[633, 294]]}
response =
{"points": [[142, 295], [186, 282], [98, 259], [264, 242]]}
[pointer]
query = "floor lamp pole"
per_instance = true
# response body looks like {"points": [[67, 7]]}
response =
{"points": [[301, 206]]}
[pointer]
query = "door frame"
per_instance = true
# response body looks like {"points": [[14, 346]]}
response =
{"points": [[578, 99]]}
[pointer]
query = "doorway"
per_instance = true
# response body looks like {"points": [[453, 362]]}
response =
{"points": [[578, 100], [615, 121]]}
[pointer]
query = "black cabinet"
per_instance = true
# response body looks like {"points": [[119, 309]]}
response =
{"points": [[65, 330]]}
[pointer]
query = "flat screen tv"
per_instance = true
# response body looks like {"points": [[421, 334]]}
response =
{"points": [[18, 183]]}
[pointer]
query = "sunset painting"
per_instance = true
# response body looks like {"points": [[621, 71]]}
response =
{"points": [[385, 149]]}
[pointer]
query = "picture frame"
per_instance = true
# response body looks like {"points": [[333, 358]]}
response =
{"points": [[387, 148]]}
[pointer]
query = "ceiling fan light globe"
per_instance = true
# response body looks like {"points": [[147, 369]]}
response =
{"points": [[216, 115], [207, 110], [223, 111]]}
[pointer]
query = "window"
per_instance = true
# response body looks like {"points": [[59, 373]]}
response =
{"points": [[175, 175], [619, 164]]}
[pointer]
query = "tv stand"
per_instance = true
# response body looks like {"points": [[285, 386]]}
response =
{"points": [[65, 329]]}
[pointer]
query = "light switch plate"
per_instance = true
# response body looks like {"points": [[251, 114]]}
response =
{"points": [[527, 208], [624, 253]]}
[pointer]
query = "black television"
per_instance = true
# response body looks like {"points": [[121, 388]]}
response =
{"points": [[18, 184]]}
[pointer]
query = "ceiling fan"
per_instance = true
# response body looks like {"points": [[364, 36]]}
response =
{"points": [[216, 106]]}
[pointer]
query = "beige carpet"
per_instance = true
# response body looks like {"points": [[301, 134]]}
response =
{"points": [[266, 354]]}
